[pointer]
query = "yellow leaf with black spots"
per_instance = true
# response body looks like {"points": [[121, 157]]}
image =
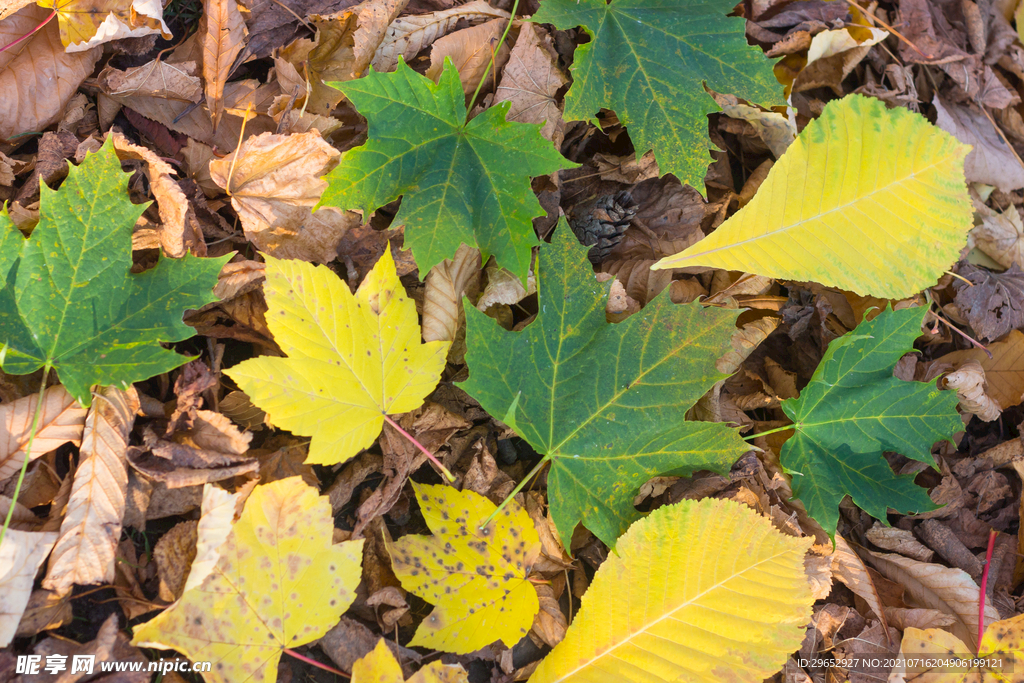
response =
{"points": [[478, 579], [352, 358], [278, 583], [929, 655], [380, 666]]}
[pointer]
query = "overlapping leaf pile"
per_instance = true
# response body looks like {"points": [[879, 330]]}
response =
{"points": [[697, 311]]}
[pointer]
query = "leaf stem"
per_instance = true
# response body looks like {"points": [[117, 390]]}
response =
{"points": [[494, 53], [517, 489], [12, 44], [984, 582], [310, 660], [28, 452], [417, 444], [774, 431]]}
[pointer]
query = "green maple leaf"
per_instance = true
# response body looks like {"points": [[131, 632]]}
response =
{"points": [[461, 182], [69, 300], [604, 403], [648, 60], [853, 410]]}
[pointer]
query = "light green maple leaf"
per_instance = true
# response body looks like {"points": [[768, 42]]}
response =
{"points": [[853, 410], [460, 182], [604, 403], [68, 298], [648, 60]]}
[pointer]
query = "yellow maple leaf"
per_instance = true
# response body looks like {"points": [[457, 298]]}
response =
{"points": [[85, 24], [352, 358], [278, 583], [702, 591], [476, 578], [380, 666], [930, 656]]}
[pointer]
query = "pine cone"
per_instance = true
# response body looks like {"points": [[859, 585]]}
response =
{"points": [[600, 221]]}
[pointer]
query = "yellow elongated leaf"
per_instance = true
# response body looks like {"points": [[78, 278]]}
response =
{"points": [[91, 529], [925, 655], [63, 420], [278, 583], [867, 199], [380, 666], [476, 578], [698, 591], [352, 358]]}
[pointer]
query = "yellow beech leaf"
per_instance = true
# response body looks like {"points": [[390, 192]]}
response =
{"points": [[278, 583], [926, 654], [867, 199], [380, 666], [352, 358], [699, 591], [476, 578], [85, 24]]}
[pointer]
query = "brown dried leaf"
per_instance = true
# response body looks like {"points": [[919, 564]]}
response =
{"points": [[157, 79], [363, 28], [1000, 235], [640, 282], [37, 77], [174, 553], [21, 553], [744, 341], [471, 51], [899, 541], [530, 82], [408, 36], [274, 182], [969, 383], [91, 529], [62, 420], [990, 161], [1004, 372], [851, 570], [503, 287], [223, 34], [994, 305], [446, 284], [45, 611]]}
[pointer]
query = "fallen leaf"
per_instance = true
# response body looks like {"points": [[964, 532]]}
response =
{"points": [[704, 590], [38, 78], [274, 182], [380, 666], [531, 80], [833, 54], [1004, 371], [21, 554], [91, 529], [62, 420], [899, 541], [352, 358], [851, 570], [156, 79], [777, 131], [85, 24], [45, 611], [476, 578], [353, 36], [1000, 236], [222, 33], [279, 583], [472, 51], [969, 382], [990, 161], [994, 305], [446, 284], [999, 659], [173, 554]]}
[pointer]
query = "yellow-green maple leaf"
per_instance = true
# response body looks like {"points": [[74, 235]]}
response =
{"points": [[703, 591], [380, 666], [926, 655], [476, 578], [352, 358], [278, 583], [868, 199]]}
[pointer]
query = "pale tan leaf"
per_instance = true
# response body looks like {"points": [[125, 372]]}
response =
{"points": [[640, 282], [471, 51], [909, 617], [21, 553], [1004, 371], [446, 284], [274, 185], [833, 54], [850, 569], [22, 519], [37, 77], [215, 432], [933, 586], [969, 383], [1000, 235], [776, 130], [530, 82], [91, 529], [242, 411], [62, 421], [368, 22], [223, 33], [408, 36], [899, 541], [157, 79], [46, 610], [219, 509], [9, 7], [744, 341], [990, 161]]}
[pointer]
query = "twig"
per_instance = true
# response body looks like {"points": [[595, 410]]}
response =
{"points": [[960, 332], [999, 130], [417, 444]]}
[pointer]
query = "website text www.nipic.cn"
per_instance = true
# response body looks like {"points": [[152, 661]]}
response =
{"points": [[86, 664]]}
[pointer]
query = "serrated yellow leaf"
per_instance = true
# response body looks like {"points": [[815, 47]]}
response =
{"points": [[867, 199], [698, 591], [926, 655], [278, 583], [352, 358], [476, 578], [380, 666]]}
